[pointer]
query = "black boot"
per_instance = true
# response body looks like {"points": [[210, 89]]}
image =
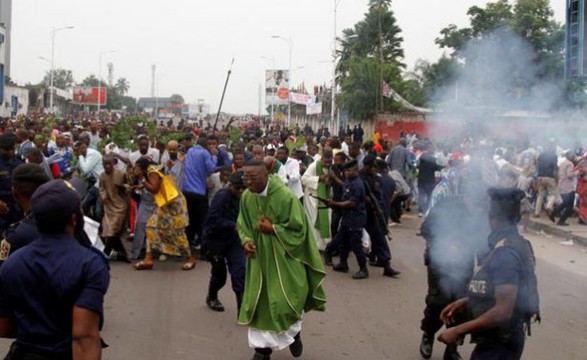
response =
{"points": [[389, 271], [297, 347], [426, 345], [327, 258], [214, 304], [451, 353], [262, 354], [361, 274], [341, 267]]}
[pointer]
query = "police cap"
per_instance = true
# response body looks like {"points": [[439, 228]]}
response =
{"points": [[350, 165], [505, 204], [29, 173], [7, 140], [53, 204]]}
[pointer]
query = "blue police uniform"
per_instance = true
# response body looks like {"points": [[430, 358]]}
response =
{"points": [[18, 235], [353, 221], [7, 167], [502, 266], [380, 248], [223, 246], [41, 283]]}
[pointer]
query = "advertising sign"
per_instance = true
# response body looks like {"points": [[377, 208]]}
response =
{"points": [[314, 109], [276, 87], [89, 95]]}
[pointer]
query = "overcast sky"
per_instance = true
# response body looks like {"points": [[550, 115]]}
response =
{"points": [[192, 42]]}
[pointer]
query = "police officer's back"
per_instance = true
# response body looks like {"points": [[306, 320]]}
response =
{"points": [[9, 211], [52, 291]]}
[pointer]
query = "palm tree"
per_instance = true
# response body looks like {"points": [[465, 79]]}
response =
{"points": [[122, 86]]}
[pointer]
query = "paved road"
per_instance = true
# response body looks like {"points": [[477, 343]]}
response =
{"points": [[161, 314]]}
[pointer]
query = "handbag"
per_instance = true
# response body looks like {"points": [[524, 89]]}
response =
{"points": [[167, 191]]}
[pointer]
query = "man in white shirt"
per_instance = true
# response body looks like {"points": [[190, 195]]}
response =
{"points": [[345, 145], [292, 169], [144, 151], [90, 165]]}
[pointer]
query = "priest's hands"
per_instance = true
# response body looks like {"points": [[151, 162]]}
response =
{"points": [[265, 226], [250, 249]]}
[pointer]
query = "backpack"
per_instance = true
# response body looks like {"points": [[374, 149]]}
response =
{"points": [[529, 302]]}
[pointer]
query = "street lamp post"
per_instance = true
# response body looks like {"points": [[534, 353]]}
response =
{"points": [[100, 76], [53, 33], [290, 82]]}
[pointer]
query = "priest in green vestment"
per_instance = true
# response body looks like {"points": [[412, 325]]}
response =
{"points": [[284, 270]]}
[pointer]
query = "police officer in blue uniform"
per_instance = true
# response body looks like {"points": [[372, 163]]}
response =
{"points": [[26, 178], [354, 219], [376, 220], [222, 244], [498, 295], [9, 210], [52, 290]]}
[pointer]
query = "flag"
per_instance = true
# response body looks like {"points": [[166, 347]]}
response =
{"points": [[386, 90]]}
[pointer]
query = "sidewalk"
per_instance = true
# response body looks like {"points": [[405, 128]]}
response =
{"points": [[574, 231]]}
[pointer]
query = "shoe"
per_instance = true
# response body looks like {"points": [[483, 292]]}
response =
{"points": [[426, 346], [361, 274], [327, 259], [562, 224], [143, 265], [391, 272], [341, 267], [214, 304], [259, 356], [162, 258], [190, 264], [451, 353], [376, 263], [297, 347], [550, 215]]}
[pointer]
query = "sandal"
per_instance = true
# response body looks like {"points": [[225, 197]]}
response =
{"points": [[189, 265], [142, 265]]}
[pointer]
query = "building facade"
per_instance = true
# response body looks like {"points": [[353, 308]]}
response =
{"points": [[6, 23]]}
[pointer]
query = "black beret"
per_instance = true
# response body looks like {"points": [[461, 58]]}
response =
{"points": [[56, 196], [7, 140], [236, 179], [351, 164], [29, 173]]}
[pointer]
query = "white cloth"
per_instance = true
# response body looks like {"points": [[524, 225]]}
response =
{"points": [[273, 340], [292, 168], [345, 148], [310, 181], [151, 153], [91, 164], [282, 173]]}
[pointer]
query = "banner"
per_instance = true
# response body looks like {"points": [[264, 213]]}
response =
{"points": [[276, 87], [302, 99], [89, 95], [314, 109]]}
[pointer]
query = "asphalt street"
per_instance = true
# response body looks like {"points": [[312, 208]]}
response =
{"points": [[161, 314]]}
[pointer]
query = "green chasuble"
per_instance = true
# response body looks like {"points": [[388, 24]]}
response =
{"points": [[284, 279]]}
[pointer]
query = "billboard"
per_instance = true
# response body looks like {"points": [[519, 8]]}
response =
{"points": [[89, 95], [276, 87]]}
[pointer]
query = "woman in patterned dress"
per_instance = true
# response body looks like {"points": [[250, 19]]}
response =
{"points": [[166, 226]]}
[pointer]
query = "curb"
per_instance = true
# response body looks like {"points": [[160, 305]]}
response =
{"points": [[556, 231]]}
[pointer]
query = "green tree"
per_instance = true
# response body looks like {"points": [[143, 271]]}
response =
{"points": [[371, 53], [122, 86], [177, 99], [62, 79]]}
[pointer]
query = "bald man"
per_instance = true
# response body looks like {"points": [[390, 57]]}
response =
{"points": [[174, 164]]}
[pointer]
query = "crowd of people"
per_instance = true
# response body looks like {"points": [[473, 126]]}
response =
{"points": [[275, 206]]}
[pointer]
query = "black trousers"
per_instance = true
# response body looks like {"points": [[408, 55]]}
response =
{"points": [[441, 292], [495, 350], [565, 209], [335, 221], [221, 256], [379, 246], [197, 212], [395, 212], [349, 239]]}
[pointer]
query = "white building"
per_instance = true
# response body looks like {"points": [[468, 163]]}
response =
{"points": [[16, 101], [6, 23]]}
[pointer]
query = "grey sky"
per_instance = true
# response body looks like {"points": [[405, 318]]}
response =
{"points": [[193, 41]]}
